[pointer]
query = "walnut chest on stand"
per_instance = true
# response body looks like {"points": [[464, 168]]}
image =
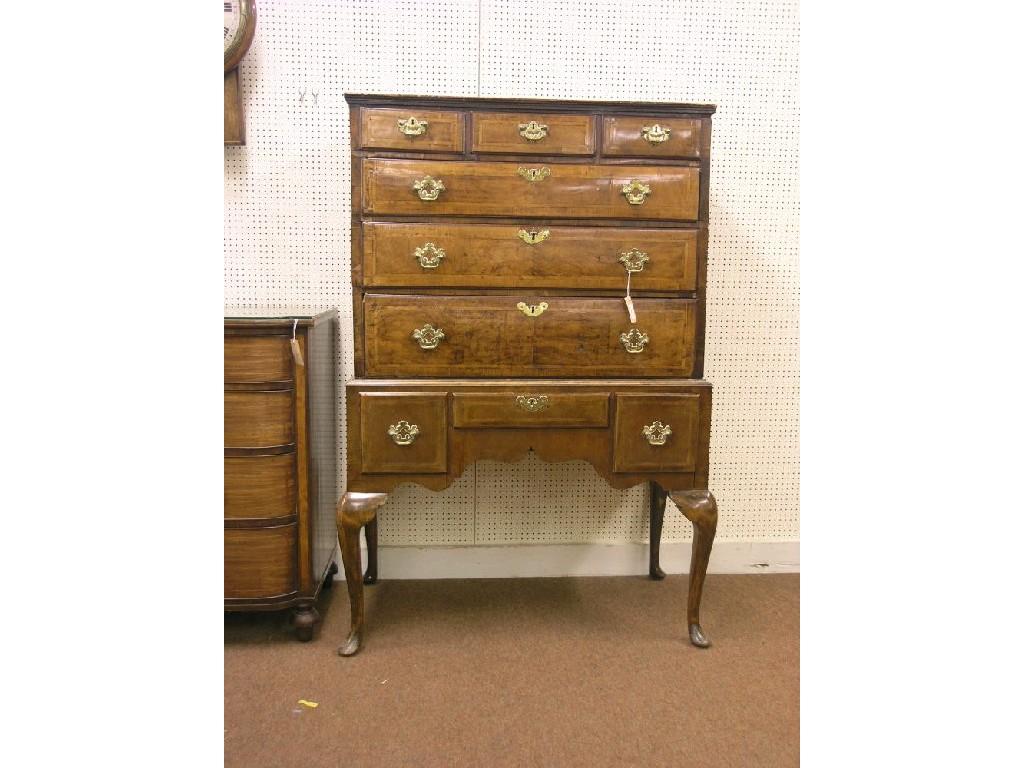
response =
{"points": [[528, 275]]}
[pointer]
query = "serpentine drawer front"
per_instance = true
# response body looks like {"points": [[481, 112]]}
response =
{"points": [[528, 256], [527, 275], [550, 190]]}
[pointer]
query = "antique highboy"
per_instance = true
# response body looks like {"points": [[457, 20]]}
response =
{"points": [[528, 275]]}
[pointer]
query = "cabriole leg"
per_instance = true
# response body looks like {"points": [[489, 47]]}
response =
{"points": [[355, 510], [658, 496], [700, 508]]}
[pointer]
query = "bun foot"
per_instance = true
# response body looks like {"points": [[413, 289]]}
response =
{"points": [[351, 646], [369, 578], [656, 573], [305, 618], [329, 581], [697, 636]]}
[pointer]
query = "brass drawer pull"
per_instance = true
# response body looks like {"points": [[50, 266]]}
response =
{"points": [[532, 403], [657, 433], [403, 433], [533, 131], [412, 127], [533, 236], [633, 260], [428, 337], [429, 256], [636, 192], [656, 134], [428, 188], [532, 310], [534, 174], [634, 341]]}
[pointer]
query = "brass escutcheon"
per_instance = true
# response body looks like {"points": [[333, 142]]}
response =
{"points": [[534, 174], [428, 337], [532, 403], [533, 131], [657, 433], [533, 236], [403, 433], [634, 341], [429, 255], [656, 134], [532, 310], [412, 127], [636, 192], [428, 188], [633, 260]]}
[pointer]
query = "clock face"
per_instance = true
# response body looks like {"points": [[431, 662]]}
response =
{"points": [[239, 25]]}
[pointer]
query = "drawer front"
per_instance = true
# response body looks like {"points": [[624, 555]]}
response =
{"points": [[521, 134], [403, 432], [528, 256], [529, 408], [505, 189], [428, 131], [642, 443], [258, 419], [260, 487], [257, 359], [677, 137], [491, 336], [260, 562]]}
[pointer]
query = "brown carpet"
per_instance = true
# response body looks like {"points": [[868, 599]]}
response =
{"points": [[523, 672]]}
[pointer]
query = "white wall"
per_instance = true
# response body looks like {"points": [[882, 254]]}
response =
{"points": [[286, 230]]}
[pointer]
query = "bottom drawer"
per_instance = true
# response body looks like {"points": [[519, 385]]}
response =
{"points": [[656, 432], [260, 562]]}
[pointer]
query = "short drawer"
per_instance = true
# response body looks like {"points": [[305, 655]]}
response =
{"points": [[416, 130], [403, 432], [651, 137], [525, 133], [250, 359], [527, 256], [546, 190], [259, 487], [258, 419], [529, 409], [260, 562], [656, 432], [527, 336]]}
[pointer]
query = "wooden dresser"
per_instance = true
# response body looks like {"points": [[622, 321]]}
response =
{"points": [[528, 275], [280, 463]]}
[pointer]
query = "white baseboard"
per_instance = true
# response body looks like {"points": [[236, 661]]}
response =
{"points": [[496, 562]]}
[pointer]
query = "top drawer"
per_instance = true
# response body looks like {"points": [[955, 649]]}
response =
{"points": [[249, 359], [651, 137], [521, 133], [416, 130]]}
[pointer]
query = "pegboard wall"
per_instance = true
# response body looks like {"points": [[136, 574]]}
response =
{"points": [[286, 220]]}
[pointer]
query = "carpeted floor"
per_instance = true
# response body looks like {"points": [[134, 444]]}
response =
{"points": [[523, 672]]}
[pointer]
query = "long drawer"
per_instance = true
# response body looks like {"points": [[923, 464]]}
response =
{"points": [[528, 256], [491, 336], [550, 190]]}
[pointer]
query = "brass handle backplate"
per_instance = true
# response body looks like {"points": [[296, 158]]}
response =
{"points": [[533, 131], [533, 236], [412, 127], [428, 337], [656, 134], [428, 188], [636, 192], [429, 255], [403, 433], [634, 341], [532, 403], [657, 433], [532, 310], [534, 174], [633, 260]]}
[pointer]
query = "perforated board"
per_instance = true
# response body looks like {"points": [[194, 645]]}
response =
{"points": [[286, 227]]}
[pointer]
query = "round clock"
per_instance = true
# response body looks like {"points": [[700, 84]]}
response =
{"points": [[239, 27]]}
